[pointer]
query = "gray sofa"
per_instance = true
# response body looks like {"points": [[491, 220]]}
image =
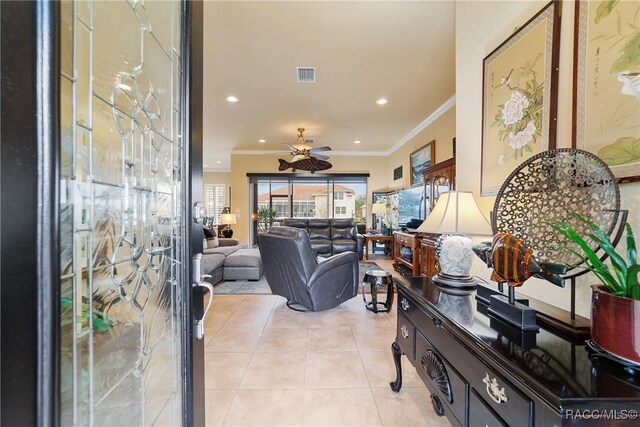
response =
{"points": [[293, 271], [231, 261], [330, 236]]}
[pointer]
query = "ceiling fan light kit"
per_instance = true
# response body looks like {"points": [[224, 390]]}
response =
{"points": [[305, 156]]}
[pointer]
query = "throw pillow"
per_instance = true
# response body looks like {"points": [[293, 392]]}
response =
{"points": [[213, 242]]}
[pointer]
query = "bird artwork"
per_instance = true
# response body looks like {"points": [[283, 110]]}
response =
{"points": [[310, 164], [513, 262]]}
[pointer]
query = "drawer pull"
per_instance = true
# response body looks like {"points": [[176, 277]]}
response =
{"points": [[404, 304], [404, 331], [494, 391]]}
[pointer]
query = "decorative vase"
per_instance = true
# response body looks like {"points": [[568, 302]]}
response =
{"points": [[227, 232], [615, 324]]}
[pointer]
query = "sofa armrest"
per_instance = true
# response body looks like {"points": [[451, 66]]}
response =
{"points": [[224, 241]]}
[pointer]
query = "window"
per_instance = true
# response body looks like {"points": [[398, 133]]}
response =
{"points": [[214, 201], [330, 196]]}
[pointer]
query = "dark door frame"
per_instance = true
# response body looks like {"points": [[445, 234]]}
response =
{"points": [[29, 212], [29, 222]]}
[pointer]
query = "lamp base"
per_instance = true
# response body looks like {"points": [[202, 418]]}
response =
{"points": [[227, 232], [454, 281]]}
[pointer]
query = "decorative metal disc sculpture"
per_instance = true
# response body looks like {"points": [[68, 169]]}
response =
{"points": [[553, 185]]}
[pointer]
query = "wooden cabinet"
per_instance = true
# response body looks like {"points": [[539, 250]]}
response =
{"points": [[438, 179], [411, 240]]}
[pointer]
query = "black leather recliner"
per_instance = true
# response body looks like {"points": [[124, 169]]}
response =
{"points": [[292, 270], [330, 236]]}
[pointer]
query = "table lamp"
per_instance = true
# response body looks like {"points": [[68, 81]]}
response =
{"points": [[455, 215], [227, 218], [379, 209]]}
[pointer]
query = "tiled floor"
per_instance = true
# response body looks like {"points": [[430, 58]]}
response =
{"points": [[267, 365]]}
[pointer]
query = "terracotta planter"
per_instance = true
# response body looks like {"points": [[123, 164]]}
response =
{"points": [[615, 324]]}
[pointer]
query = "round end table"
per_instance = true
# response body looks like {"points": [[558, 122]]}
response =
{"points": [[375, 279]]}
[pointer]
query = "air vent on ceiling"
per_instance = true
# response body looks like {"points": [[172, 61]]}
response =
{"points": [[306, 74]]}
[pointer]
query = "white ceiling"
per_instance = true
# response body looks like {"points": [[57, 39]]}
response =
{"points": [[363, 51]]}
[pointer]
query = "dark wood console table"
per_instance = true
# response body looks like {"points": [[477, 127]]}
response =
{"points": [[481, 371]]}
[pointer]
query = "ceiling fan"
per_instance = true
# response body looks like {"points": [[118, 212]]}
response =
{"points": [[303, 150]]}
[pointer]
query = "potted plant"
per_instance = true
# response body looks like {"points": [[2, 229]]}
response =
{"points": [[615, 308]]}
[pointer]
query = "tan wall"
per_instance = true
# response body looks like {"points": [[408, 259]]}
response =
{"points": [[442, 130], [480, 28], [218, 178], [241, 164]]}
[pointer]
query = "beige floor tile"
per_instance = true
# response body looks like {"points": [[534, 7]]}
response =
{"points": [[224, 301], [374, 337], [335, 369], [210, 332], [381, 370], [217, 405], [218, 317], [283, 317], [231, 339], [328, 318], [275, 371], [266, 408], [225, 370], [259, 302], [409, 407], [282, 340], [331, 338], [247, 318], [340, 407], [364, 317]]}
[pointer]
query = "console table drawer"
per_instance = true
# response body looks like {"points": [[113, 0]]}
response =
{"points": [[405, 336], [481, 414], [500, 395], [404, 239], [410, 308], [438, 373]]}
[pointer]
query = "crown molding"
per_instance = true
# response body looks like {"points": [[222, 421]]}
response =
{"points": [[216, 170], [446, 106]]}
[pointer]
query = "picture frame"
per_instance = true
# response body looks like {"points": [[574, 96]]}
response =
{"points": [[606, 102], [519, 97], [397, 173], [420, 160]]}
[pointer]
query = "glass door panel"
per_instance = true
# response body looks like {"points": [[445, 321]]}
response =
{"points": [[121, 204]]}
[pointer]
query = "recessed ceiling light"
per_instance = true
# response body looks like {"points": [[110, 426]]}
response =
{"points": [[205, 166], [357, 142], [232, 99], [262, 141], [381, 101], [218, 161]]}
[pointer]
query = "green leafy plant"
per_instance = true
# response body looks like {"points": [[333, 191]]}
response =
{"points": [[619, 275], [266, 218]]}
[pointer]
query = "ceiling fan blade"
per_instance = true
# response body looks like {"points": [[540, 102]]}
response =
{"points": [[319, 156], [296, 158], [324, 148]]}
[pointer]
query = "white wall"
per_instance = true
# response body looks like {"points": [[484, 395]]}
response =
{"points": [[480, 27]]}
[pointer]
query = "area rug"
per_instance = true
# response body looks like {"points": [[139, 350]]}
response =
{"points": [[262, 287]]}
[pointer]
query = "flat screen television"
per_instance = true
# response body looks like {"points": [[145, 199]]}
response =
{"points": [[411, 204]]}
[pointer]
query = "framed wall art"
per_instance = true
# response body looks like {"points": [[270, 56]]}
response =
{"points": [[519, 97], [397, 173], [606, 94], [421, 159]]}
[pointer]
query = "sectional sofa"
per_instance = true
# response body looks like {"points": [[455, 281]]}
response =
{"points": [[230, 260], [330, 236]]}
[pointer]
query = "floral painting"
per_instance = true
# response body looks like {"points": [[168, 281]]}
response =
{"points": [[519, 98], [607, 91]]}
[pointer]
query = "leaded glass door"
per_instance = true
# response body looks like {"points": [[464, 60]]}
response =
{"points": [[123, 227]]}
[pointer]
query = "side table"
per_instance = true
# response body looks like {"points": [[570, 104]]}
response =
{"points": [[376, 278], [387, 240]]}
